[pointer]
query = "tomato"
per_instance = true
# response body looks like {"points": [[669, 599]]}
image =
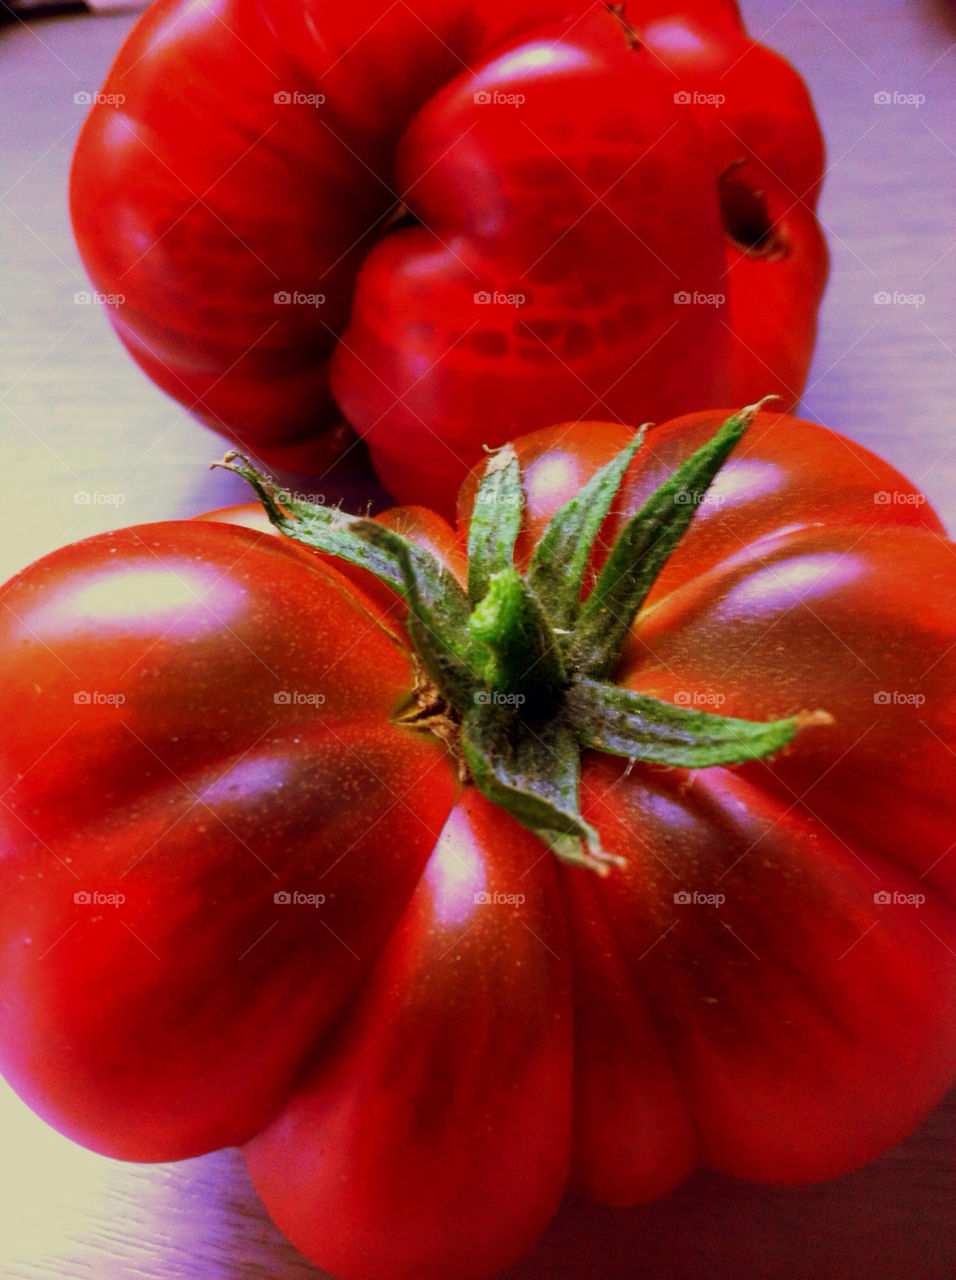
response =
{"points": [[259, 889], [448, 224]]}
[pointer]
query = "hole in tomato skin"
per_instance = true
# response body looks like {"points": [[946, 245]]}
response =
{"points": [[743, 212]]}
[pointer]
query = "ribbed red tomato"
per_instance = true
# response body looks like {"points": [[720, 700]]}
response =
{"points": [[251, 895], [451, 223]]}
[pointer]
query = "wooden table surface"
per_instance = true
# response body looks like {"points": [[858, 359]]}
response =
{"points": [[78, 417]]}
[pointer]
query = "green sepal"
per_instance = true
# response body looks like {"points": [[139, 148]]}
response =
{"points": [[531, 770], [513, 647], [437, 611], [495, 521], [643, 547], [556, 572], [331, 531], [518, 669], [624, 723]]}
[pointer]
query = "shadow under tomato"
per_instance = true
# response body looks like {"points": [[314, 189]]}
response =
{"points": [[894, 1218]]}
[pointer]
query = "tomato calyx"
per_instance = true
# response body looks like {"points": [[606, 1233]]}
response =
{"points": [[516, 674], [428, 710]]}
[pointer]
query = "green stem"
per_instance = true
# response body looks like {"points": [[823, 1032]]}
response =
{"points": [[514, 648]]}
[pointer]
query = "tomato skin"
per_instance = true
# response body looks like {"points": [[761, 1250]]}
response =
{"points": [[805, 1028], [417, 1107], [815, 575], [597, 199], [196, 798], [383, 1160], [787, 472], [830, 599]]}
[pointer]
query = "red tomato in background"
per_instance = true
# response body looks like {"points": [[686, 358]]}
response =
{"points": [[200, 716], [450, 223]]}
